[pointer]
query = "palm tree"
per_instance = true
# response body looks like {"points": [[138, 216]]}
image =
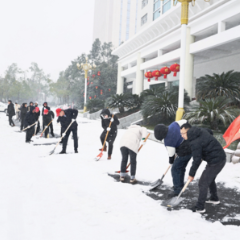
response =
{"points": [[214, 112], [226, 84]]}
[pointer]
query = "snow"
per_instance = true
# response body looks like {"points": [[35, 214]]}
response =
{"points": [[71, 196]]}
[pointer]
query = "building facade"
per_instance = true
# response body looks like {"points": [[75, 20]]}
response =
{"points": [[213, 41]]}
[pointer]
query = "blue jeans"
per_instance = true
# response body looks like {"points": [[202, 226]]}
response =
{"points": [[178, 172]]}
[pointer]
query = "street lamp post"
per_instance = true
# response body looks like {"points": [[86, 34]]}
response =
{"points": [[184, 23], [85, 67]]}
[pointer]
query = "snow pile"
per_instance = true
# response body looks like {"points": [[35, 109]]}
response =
{"points": [[71, 196]]}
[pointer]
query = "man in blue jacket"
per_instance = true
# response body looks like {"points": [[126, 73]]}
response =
{"points": [[175, 145]]}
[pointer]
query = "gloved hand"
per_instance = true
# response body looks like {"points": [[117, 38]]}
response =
{"points": [[28, 126], [108, 129], [112, 120], [36, 122], [73, 120], [171, 160], [143, 143], [63, 135]]}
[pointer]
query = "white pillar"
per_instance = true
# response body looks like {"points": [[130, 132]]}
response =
{"points": [[120, 80], [189, 65], [221, 27], [139, 75]]}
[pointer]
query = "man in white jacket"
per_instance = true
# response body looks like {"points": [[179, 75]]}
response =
{"points": [[129, 145]]}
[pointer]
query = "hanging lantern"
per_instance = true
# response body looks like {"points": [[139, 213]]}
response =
{"points": [[88, 83], [88, 78], [149, 75], [109, 89], [96, 87], [91, 82], [90, 98], [165, 71], [156, 74], [93, 76], [95, 96], [101, 92], [99, 73], [175, 68]]}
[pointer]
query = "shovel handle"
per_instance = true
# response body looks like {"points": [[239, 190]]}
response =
{"points": [[183, 190], [167, 170]]}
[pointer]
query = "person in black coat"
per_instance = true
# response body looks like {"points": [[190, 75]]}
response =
{"points": [[66, 117], [29, 107], [204, 147], [29, 120], [106, 118], [48, 116], [45, 106], [11, 113], [23, 110], [37, 115]]}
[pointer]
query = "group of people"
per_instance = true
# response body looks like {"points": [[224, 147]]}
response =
{"points": [[183, 142]]}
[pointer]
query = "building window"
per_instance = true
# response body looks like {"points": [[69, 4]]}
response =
{"points": [[156, 9], [120, 25], [144, 19], [128, 18], [166, 5], [144, 3]]}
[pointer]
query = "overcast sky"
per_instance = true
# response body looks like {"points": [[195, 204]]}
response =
{"points": [[48, 32]]}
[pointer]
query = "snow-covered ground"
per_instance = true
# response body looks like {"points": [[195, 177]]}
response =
{"points": [[71, 196]]}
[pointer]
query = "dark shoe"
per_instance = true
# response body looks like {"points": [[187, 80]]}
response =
{"points": [[53, 135], [213, 200], [122, 179], [28, 141], [109, 157], [198, 210], [133, 181], [76, 151], [172, 195], [62, 152], [104, 149]]}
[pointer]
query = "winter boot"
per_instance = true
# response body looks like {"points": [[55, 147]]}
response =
{"points": [[133, 181], [62, 152], [76, 151], [53, 135], [104, 149], [122, 179], [109, 157]]}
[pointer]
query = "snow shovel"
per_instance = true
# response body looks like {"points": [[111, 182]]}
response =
{"points": [[61, 138], [28, 127], [36, 128], [138, 152], [101, 153], [45, 129], [176, 200], [159, 181]]}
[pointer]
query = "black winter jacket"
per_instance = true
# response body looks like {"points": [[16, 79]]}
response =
{"points": [[47, 107], [37, 115], [67, 118], [106, 122], [30, 118], [23, 112], [11, 110], [205, 147], [184, 149], [48, 118]]}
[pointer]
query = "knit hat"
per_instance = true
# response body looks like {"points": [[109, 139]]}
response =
{"points": [[58, 110], [160, 131], [37, 109], [45, 112]]}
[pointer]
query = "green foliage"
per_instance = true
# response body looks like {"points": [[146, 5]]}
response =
{"points": [[225, 84], [213, 112], [95, 105]]}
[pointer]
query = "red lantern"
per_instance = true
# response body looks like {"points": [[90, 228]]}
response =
{"points": [[156, 74], [95, 96], [175, 68], [165, 71], [101, 92], [88, 78], [88, 83], [96, 87], [109, 89], [91, 82], [93, 76], [99, 73], [148, 75], [90, 98]]}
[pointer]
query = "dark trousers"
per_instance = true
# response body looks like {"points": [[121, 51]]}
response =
{"points": [[10, 120], [110, 139], [51, 128], [133, 156], [178, 172], [29, 133], [75, 138], [47, 130], [207, 181], [38, 128]]}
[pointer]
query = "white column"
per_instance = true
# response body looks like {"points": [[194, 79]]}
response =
{"points": [[221, 27], [189, 65], [139, 75], [120, 80]]}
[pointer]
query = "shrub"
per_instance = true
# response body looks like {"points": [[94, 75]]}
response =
{"points": [[95, 105]]}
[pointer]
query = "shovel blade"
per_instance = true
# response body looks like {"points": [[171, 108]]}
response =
{"points": [[156, 184], [52, 152], [174, 202], [99, 156]]}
